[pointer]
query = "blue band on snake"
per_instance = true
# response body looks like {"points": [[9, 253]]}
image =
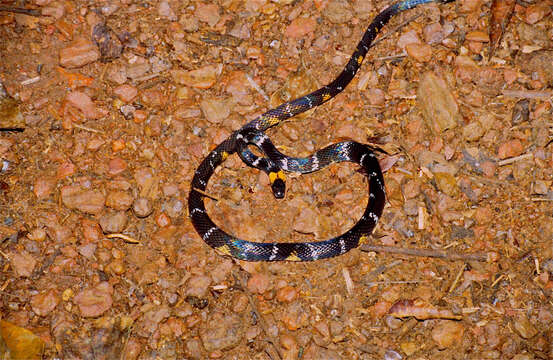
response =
{"points": [[274, 163]]}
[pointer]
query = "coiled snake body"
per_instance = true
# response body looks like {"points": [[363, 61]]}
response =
{"points": [[274, 163]]}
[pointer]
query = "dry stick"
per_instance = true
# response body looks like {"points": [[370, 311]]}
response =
{"points": [[31, 12], [426, 253], [395, 29], [205, 194], [379, 270]]}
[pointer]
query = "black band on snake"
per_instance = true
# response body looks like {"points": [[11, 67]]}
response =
{"points": [[274, 163]]}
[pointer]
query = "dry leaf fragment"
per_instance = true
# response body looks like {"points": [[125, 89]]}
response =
{"points": [[22, 343]]}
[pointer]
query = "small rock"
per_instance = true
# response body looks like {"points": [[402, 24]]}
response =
{"points": [[89, 201], [258, 283], [84, 103], [142, 207], [509, 149], [43, 187], [202, 78], [126, 92], [198, 286], [338, 11], [287, 294], [479, 36], [419, 52], [473, 131], [300, 27], [119, 200], [537, 12], [306, 222], [208, 13], [524, 327], [79, 53], [22, 263], [447, 333], [222, 331], [439, 108], [164, 10], [43, 303], [94, 301], [215, 110], [113, 222]]}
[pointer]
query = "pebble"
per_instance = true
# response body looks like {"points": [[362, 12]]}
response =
{"points": [[81, 52], [338, 11], [300, 27], [258, 283], [287, 294], [119, 200], [222, 331], [524, 327], [126, 92], [22, 263], [43, 187], [142, 207], [198, 286], [164, 10], [439, 108], [113, 222], [88, 201], [509, 149], [215, 110], [202, 78], [208, 13], [447, 333], [45, 302], [473, 131], [419, 52], [94, 301], [84, 103], [537, 12]]}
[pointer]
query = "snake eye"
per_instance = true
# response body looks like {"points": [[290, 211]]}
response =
{"points": [[279, 188]]}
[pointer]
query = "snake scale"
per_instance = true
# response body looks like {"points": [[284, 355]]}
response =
{"points": [[274, 163]]}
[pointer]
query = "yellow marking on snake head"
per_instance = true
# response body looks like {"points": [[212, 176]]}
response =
{"points": [[326, 97], [363, 239], [224, 249], [359, 59], [272, 176], [224, 155], [293, 257], [281, 176]]}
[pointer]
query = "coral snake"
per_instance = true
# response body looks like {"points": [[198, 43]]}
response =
{"points": [[274, 163]]}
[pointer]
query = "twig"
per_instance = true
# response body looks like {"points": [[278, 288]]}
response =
{"points": [[395, 282], [395, 29], [514, 159], [390, 57], [205, 194], [527, 94], [124, 237], [30, 12], [82, 127], [381, 269], [457, 278], [257, 87], [426, 253]]}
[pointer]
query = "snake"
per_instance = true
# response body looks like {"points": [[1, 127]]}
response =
{"points": [[275, 164]]}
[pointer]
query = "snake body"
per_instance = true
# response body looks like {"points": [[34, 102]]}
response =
{"points": [[274, 163]]}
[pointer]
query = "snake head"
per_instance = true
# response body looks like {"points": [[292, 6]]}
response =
{"points": [[279, 188]]}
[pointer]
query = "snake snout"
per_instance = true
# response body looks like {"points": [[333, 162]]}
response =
{"points": [[279, 188]]}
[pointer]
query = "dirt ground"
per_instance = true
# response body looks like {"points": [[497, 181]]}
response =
{"points": [[107, 107]]}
